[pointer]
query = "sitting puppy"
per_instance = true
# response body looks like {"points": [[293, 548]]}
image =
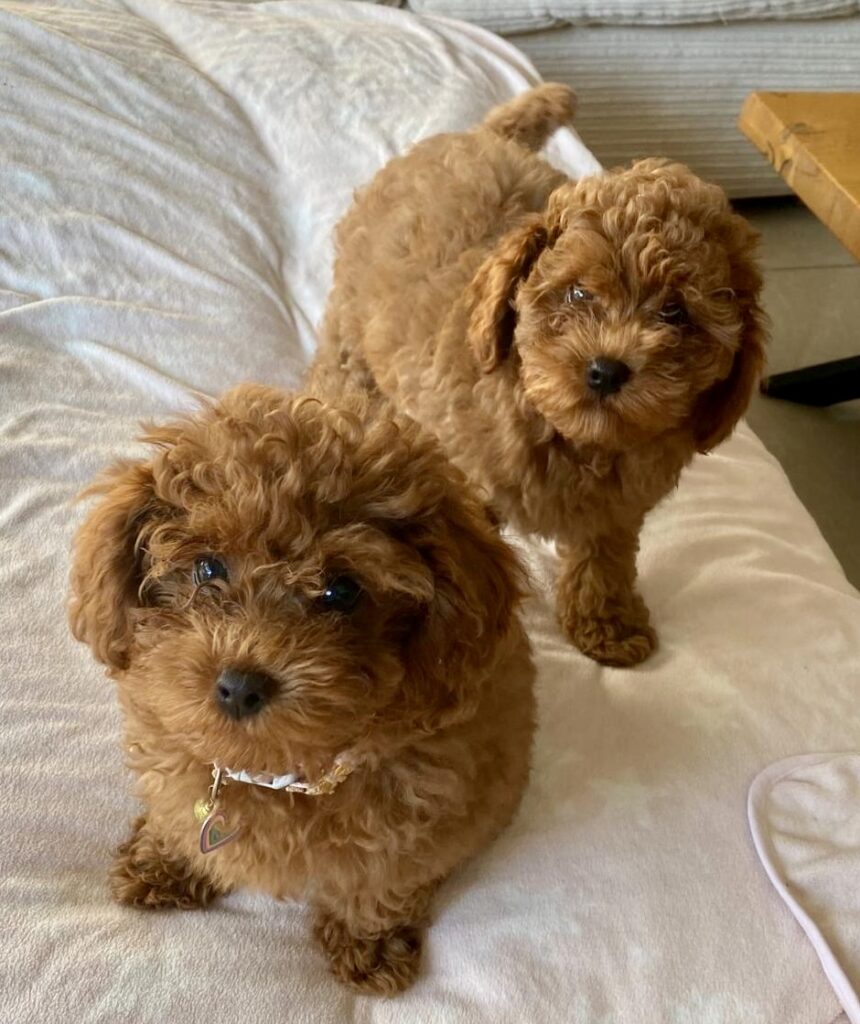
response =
{"points": [[571, 343], [326, 688]]}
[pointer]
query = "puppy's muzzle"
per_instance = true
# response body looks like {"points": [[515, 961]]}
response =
{"points": [[241, 694], [606, 376]]}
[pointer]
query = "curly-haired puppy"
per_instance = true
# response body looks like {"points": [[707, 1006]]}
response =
{"points": [[571, 343], [306, 597]]}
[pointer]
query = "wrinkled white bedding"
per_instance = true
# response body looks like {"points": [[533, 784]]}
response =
{"points": [[804, 817], [169, 177]]}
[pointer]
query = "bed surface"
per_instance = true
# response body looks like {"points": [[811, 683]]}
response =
{"points": [[169, 177]]}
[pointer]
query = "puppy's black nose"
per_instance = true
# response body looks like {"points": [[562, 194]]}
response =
{"points": [[606, 376], [242, 694]]}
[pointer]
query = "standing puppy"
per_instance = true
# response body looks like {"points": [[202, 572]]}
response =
{"points": [[571, 343], [327, 693]]}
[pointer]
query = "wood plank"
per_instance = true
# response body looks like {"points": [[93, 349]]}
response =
{"points": [[813, 140]]}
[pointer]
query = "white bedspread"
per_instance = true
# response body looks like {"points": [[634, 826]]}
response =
{"points": [[804, 815], [169, 177]]}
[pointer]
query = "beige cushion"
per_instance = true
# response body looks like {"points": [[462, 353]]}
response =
{"points": [[677, 91], [511, 16]]}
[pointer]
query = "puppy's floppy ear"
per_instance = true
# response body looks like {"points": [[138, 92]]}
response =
{"points": [[720, 408], [492, 290], [106, 564], [478, 583]]}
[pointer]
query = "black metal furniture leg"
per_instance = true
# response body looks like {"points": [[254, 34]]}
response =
{"points": [[823, 384]]}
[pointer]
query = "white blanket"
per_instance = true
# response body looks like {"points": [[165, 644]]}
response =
{"points": [[805, 820], [170, 177]]}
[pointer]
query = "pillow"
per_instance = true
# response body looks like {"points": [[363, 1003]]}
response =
{"points": [[511, 16]]}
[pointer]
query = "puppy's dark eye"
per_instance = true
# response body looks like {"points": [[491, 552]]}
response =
{"points": [[576, 293], [207, 569], [341, 594], [673, 313]]}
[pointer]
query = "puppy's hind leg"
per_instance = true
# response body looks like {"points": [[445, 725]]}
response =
{"points": [[145, 875]]}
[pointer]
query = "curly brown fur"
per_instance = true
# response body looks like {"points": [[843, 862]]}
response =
{"points": [[476, 286], [426, 682], [146, 875], [383, 961]]}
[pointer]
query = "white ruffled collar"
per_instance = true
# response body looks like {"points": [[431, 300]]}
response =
{"points": [[294, 782]]}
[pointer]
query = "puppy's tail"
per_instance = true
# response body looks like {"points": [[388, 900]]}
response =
{"points": [[530, 119]]}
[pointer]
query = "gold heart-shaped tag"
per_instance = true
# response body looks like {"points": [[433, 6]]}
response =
{"points": [[214, 832]]}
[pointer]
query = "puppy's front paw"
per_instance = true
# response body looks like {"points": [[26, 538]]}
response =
{"points": [[380, 965], [143, 875], [617, 640]]}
